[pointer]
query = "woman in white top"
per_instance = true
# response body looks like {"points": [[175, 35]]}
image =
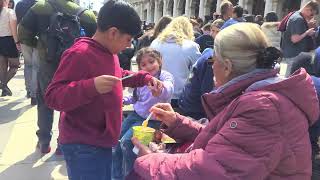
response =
{"points": [[179, 52], [9, 46]]}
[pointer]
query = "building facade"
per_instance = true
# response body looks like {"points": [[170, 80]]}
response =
{"points": [[152, 10]]}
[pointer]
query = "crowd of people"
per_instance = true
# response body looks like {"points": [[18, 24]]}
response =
{"points": [[216, 87]]}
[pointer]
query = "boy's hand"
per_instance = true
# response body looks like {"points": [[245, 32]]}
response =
{"points": [[105, 83], [155, 86]]}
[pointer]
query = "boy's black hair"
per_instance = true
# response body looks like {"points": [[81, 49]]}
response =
{"points": [[121, 15], [238, 10]]}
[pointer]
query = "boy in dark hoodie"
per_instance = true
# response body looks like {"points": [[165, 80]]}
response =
{"points": [[87, 89]]}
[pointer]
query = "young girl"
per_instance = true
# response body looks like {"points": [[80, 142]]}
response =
{"points": [[143, 99]]}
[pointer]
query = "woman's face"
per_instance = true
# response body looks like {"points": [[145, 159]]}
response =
{"points": [[150, 64], [221, 71]]}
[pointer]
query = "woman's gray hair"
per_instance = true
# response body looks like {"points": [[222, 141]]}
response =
{"points": [[241, 43]]}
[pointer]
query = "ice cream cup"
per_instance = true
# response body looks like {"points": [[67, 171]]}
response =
{"points": [[143, 134]]}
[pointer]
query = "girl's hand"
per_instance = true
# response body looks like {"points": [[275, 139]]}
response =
{"points": [[164, 113], [143, 150], [156, 91], [155, 84]]}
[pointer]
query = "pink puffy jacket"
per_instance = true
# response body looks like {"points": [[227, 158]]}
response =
{"points": [[258, 131]]}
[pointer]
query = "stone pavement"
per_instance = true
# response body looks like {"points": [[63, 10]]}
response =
{"points": [[19, 159]]}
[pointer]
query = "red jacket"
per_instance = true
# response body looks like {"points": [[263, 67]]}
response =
{"points": [[88, 117], [255, 133]]}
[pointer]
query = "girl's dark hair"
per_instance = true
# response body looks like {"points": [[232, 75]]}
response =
{"points": [[152, 53], [161, 25], [268, 58], [148, 51]]}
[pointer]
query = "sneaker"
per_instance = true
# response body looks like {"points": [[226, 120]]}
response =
{"points": [[44, 148], [34, 101], [6, 91]]}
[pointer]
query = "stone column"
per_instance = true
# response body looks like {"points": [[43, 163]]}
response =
{"points": [[149, 11], [187, 8], [242, 3], [165, 7], [218, 6], [175, 8], [201, 9], [303, 2], [268, 7], [157, 11]]}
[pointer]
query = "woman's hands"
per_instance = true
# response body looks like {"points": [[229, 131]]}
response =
{"points": [[164, 113], [143, 150]]}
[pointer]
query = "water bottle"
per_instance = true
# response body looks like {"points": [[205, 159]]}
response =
{"points": [[82, 32]]}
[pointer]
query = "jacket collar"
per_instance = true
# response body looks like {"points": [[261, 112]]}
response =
{"points": [[219, 98]]}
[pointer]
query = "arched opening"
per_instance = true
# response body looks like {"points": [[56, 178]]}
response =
{"points": [[170, 7], [152, 7], [145, 14], [258, 7], [181, 7], [209, 9], [289, 6], [161, 9], [195, 8]]}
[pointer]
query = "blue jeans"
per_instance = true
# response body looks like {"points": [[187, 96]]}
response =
{"points": [[122, 155], [31, 67], [87, 162]]}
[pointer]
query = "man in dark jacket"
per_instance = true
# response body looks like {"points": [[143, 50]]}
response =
{"points": [[34, 24], [30, 55]]}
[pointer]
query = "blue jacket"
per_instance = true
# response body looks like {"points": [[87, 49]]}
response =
{"points": [[200, 82]]}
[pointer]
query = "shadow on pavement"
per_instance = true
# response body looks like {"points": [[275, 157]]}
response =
{"points": [[8, 114], [36, 170]]}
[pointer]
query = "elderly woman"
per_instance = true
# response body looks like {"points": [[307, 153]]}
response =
{"points": [[258, 125]]}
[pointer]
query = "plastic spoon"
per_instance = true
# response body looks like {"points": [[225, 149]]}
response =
{"points": [[145, 122], [126, 77]]}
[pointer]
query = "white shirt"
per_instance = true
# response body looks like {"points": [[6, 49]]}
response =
{"points": [[6, 16]]}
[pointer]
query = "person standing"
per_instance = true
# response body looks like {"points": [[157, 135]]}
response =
{"points": [[35, 24], [9, 46], [30, 54], [87, 89], [298, 36]]}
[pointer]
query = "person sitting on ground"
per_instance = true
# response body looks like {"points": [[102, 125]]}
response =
{"points": [[270, 28], [237, 16], [148, 60], [201, 81], [258, 125]]}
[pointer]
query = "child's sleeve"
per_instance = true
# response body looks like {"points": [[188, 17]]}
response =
{"points": [[168, 86], [127, 100]]}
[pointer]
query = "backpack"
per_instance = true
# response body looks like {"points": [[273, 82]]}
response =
{"points": [[282, 27], [63, 29]]}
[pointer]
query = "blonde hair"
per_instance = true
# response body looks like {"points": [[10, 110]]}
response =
{"points": [[242, 44], [179, 29]]}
